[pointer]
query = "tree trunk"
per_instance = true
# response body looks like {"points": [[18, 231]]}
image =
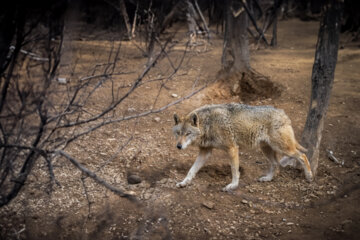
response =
{"points": [[242, 79], [126, 18], [277, 4], [191, 19], [7, 32], [322, 79], [236, 56]]}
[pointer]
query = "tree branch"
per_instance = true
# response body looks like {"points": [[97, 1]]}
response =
{"points": [[97, 179]]}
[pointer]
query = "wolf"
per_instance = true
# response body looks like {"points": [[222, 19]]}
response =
{"points": [[235, 126]]}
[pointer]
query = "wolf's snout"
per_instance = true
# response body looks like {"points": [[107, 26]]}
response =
{"points": [[179, 146]]}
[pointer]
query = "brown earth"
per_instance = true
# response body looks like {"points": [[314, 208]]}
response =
{"points": [[286, 208]]}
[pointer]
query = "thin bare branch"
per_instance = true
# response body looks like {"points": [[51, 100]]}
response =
{"points": [[96, 178], [126, 118]]}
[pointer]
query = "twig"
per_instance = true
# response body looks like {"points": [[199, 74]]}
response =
{"points": [[86, 195], [115, 154], [30, 54], [51, 173], [333, 158]]}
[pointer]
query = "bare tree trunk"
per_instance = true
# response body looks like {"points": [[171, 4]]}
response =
{"points": [[7, 32], [277, 4], [243, 80], [180, 6], [322, 79], [236, 56], [191, 19], [126, 17], [202, 19], [134, 21], [274, 37]]}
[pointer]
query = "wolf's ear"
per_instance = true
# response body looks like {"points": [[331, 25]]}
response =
{"points": [[176, 119], [194, 119]]}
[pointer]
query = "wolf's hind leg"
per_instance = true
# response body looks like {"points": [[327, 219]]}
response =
{"points": [[272, 158], [303, 160], [301, 157], [234, 162], [287, 161], [283, 140], [199, 162]]}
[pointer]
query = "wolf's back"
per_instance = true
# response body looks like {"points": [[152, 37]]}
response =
{"points": [[244, 124]]}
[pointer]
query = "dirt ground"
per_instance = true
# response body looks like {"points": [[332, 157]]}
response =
{"points": [[286, 208]]}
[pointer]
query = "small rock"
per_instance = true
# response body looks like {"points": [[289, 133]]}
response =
{"points": [[269, 211], [134, 179], [147, 196], [130, 193], [289, 223], [157, 119], [313, 195], [151, 190], [244, 201], [61, 80], [208, 204], [174, 95], [163, 181], [346, 221]]}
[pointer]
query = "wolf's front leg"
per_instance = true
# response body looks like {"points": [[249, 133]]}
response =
{"points": [[234, 162], [199, 162]]}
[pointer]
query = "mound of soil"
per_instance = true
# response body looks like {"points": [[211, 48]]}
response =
{"points": [[247, 86]]}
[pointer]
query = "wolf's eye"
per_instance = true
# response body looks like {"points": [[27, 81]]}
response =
{"points": [[188, 133]]}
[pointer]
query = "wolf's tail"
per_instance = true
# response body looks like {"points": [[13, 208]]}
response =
{"points": [[301, 148]]}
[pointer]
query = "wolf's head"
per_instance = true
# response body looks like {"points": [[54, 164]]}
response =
{"points": [[186, 130]]}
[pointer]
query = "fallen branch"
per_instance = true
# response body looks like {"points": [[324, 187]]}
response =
{"points": [[99, 180], [30, 54]]}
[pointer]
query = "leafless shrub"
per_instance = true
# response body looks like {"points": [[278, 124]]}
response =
{"points": [[40, 118]]}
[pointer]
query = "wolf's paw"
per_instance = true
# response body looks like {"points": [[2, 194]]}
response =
{"points": [[230, 187], [266, 178], [182, 184], [309, 176]]}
